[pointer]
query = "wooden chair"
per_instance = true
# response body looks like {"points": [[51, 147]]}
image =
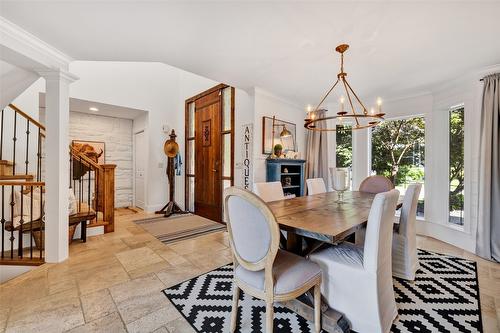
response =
{"points": [[315, 186], [404, 240], [376, 184], [261, 269], [271, 191]]}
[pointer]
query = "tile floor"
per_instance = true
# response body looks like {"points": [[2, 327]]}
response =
{"points": [[112, 283]]}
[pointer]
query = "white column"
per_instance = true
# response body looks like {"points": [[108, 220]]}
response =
{"points": [[360, 156], [56, 164]]}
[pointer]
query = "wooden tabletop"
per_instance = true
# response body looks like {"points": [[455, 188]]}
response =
{"points": [[321, 217]]}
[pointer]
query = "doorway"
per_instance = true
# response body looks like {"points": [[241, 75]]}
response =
{"points": [[140, 165], [209, 150]]}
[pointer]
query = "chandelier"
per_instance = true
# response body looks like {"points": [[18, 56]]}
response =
{"points": [[357, 120]]}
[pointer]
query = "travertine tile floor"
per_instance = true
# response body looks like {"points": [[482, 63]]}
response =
{"points": [[112, 283]]}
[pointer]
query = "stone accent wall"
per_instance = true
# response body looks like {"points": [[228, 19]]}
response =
{"points": [[117, 135]]}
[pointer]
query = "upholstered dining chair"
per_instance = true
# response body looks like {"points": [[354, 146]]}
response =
{"points": [[315, 186], [270, 191], [357, 281], [261, 269], [404, 239], [376, 184]]}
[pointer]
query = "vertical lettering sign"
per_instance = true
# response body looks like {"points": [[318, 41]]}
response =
{"points": [[247, 156]]}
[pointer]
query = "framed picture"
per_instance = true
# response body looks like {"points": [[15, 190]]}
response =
{"points": [[95, 150], [287, 142]]}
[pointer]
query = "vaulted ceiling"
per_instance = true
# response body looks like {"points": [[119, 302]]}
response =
{"points": [[397, 48]]}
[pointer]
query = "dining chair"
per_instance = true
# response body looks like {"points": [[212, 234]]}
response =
{"points": [[271, 191], [315, 186], [404, 240], [376, 184], [261, 269], [357, 281]]}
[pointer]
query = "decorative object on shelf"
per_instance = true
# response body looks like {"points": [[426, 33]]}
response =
{"points": [[277, 131], [171, 149], [292, 180], [278, 149], [365, 119], [341, 181]]}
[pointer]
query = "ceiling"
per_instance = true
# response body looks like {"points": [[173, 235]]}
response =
{"points": [[108, 110], [397, 48]]}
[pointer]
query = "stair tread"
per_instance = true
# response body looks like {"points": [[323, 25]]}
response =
{"points": [[16, 177], [5, 162]]}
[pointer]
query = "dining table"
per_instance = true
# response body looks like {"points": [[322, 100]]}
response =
{"points": [[318, 220]]}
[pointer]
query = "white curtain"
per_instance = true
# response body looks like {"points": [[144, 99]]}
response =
{"points": [[317, 150], [488, 229]]}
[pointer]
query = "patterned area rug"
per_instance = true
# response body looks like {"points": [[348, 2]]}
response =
{"points": [[179, 227], [443, 298]]}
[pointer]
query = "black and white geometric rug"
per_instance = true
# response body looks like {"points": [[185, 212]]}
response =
{"points": [[443, 298]]}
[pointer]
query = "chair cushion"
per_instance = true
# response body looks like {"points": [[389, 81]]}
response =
{"points": [[290, 271], [346, 254]]}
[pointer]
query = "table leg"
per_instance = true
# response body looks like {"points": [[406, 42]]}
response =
{"points": [[294, 243]]}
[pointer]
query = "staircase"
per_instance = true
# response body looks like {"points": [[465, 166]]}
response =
{"points": [[22, 190]]}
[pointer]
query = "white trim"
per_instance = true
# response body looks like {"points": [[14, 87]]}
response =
{"points": [[282, 99], [33, 48]]}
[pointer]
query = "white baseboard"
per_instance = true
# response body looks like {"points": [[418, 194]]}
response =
{"points": [[447, 234]]}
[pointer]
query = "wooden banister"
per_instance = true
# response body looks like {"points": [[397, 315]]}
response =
{"points": [[26, 116], [85, 160], [20, 183]]}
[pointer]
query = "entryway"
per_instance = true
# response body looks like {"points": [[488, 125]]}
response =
{"points": [[209, 150]]}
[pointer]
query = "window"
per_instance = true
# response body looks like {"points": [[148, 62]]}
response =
{"points": [[456, 166], [398, 152], [343, 156]]}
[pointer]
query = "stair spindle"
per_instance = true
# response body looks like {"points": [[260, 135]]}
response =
{"points": [[27, 145], [11, 216], [31, 222], [21, 222], [3, 220], [42, 224], [14, 139], [1, 135], [39, 156]]}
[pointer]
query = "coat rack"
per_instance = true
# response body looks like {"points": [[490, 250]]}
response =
{"points": [[171, 149]]}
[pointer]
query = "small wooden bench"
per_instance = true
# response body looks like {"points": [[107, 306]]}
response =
{"points": [[74, 219]]}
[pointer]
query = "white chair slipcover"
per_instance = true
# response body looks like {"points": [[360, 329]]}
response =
{"points": [[404, 240], [271, 191], [315, 186], [357, 281]]}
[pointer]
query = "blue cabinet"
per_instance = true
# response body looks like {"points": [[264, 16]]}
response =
{"points": [[289, 172]]}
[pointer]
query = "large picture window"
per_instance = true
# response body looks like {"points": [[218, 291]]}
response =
{"points": [[398, 153], [456, 166]]}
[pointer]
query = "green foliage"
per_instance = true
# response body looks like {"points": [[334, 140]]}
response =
{"points": [[278, 147], [456, 159], [398, 149], [344, 147]]}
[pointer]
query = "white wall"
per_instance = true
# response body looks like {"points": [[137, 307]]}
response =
{"points": [[116, 133], [268, 104], [161, 90]]}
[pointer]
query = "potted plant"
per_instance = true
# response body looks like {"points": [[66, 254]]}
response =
{"points": [[278, 149]]}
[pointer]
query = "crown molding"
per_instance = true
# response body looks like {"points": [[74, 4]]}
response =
{"points": [[29, 46], [56, 75], [282, 99]]}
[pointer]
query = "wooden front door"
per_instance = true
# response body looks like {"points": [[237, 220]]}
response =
{"points": [[209, 150], [208, 195]]}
